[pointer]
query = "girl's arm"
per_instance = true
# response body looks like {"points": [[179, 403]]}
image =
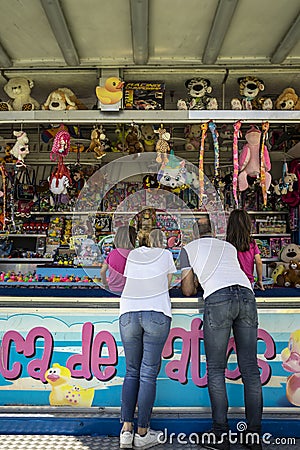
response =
{"points": [[103, 274], [259, 271]]}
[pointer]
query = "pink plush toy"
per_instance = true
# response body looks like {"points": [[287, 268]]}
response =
{"points": [[249, 161]]}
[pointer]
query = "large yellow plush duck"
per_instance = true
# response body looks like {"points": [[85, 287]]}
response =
{"points": [[291, 362], [112, 92], [63, 393]]}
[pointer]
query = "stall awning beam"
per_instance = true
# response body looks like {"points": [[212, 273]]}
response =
{"points": [[287, 43], [61, 31], [219, 28], [139, 14]]}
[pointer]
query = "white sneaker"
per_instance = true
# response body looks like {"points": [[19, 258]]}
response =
{"points": [[149, 440], [126, 439]]}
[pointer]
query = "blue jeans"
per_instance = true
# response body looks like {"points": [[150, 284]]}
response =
{"points": [[143, 335], [233, 308]]}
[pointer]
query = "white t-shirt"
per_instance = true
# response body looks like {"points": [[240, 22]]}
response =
{"points": [[146, 287], [215, 263]]}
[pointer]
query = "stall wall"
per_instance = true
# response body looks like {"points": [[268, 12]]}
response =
{"points": [[80, 353]]}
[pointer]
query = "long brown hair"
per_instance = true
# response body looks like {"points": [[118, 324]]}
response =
{"points": [[239, 228], [125, 237]]}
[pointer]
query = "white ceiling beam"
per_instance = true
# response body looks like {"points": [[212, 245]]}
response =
{"points": [[61, 31], [139, 15], [219, 28], [287, 43], [5, 60]]}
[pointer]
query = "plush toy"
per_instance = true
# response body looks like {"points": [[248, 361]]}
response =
{"points": [[61, 146], [162, 147], [286, 184], [288, 100], [192, 134], [250, 87], [120, 144], [19, 89], [62, 99], [292, 275], [112, 91], [249, 160], [148, 137], [192, 179], [20, 150], [277, 274], [288, 253], [133, 137], [198, 95], [98, 142], [173, 173]]}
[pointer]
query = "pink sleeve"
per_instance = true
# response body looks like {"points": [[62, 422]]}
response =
{"points": [[256, 249]]}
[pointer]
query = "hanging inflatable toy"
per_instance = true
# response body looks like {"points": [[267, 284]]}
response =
{"points": [[204, 127], [237, 133], [215, 135]]}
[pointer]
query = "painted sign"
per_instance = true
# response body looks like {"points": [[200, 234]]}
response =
{"points": [[75, 357]]}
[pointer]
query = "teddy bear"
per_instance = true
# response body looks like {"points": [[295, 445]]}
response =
{"points": [[198, 95], [291, 276], [192, 134], [249, 160], [250, 87], [19, 89], [62, 99], [133, 137], [148, 137], [288, 100]]}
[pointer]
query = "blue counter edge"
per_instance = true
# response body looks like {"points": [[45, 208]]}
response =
{"points": [[110, 426]]}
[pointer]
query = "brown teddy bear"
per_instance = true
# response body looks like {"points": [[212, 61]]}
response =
{"points": [[133, 140], [19, 89], [98, 142], [292, 275], [148, 137], [288, 100], [62, 99]]}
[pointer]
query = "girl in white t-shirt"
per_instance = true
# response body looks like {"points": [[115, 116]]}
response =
{"points": [[145, 319]]}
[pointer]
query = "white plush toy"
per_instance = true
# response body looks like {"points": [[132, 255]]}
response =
{"points": [[20, 149], [19, 89]]}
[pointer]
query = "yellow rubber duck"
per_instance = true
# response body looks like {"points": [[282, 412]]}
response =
{"points": [[291, 362], [63, 393], [112, 92]]}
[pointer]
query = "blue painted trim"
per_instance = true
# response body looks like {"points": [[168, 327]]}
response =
{"points": [[110, 426]]}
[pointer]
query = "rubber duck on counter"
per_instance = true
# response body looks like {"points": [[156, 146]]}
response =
{"points": [[111, 92], [291, 362], [65, 394]]}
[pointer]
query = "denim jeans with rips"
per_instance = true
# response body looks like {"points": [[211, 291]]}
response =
{"points": [[143, 335], [232, 308]]}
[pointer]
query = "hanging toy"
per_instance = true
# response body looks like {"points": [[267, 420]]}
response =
{"points": [[237, 133], [263, 182], [20, 150], [204, 128], [3, 197], [162, 147], [215, 135], [61, 145], [173, 174], [60, 179]]}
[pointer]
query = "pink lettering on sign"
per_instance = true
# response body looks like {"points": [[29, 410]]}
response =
{"points": [[91, 360], [27, 347], [191, 352]]}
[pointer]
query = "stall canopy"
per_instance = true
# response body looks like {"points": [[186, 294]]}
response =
{"points": [[73, 42]]}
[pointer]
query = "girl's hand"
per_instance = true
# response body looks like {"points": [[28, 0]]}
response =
{"points": [[260, 285]]}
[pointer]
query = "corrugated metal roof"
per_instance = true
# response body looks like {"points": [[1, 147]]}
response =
{"points": [[145, 39]]}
